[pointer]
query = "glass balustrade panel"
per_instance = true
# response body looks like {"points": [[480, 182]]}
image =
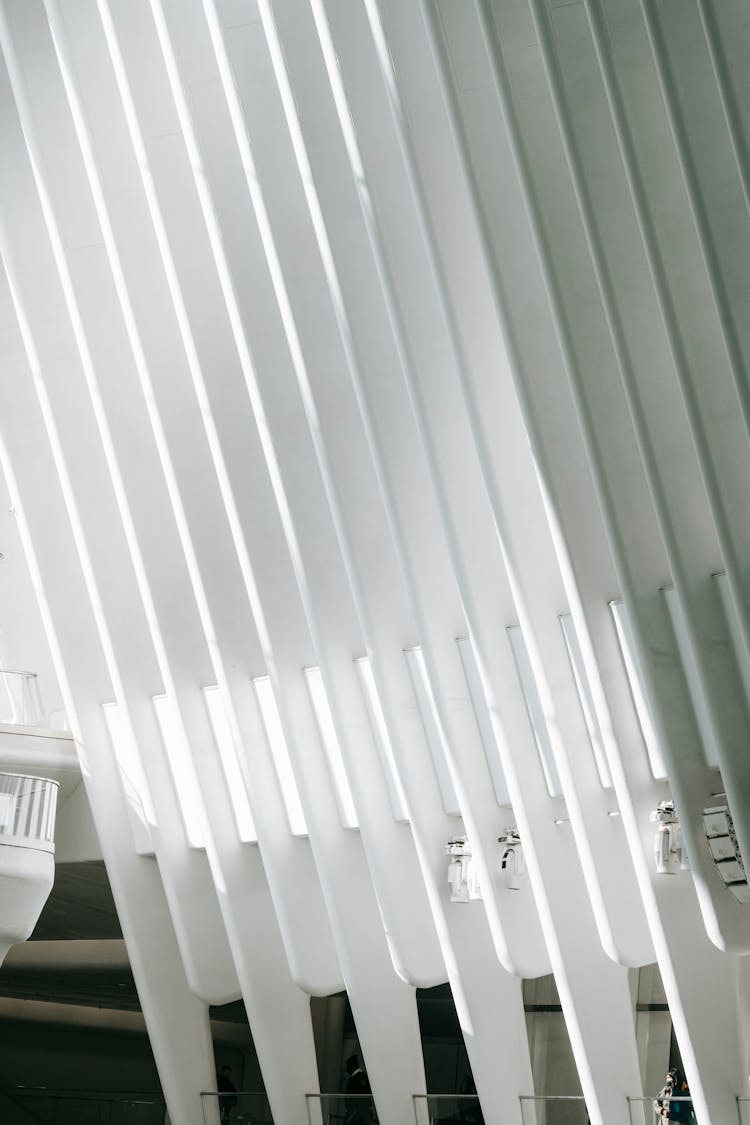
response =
{"points": [[554, 1110], [27, 807], [242, 1107], [20, 703]]}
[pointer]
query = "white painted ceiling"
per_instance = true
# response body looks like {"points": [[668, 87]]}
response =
{"points": [[336, 330]]}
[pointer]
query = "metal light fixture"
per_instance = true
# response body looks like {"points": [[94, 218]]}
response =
{"points": [[669, 850], [462, 878], [512, 862]]}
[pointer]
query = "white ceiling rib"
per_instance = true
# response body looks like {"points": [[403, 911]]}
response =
{"points": [[140, 805], [482, 716], [274, 731], [332, 331]]}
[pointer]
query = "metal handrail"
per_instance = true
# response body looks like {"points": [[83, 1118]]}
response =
{"points": [[81, 1095], [30, 777], [337, 1100], [651, 1101], [233, 1110], [71, 1107], [466, 1103], [540, 1102]]}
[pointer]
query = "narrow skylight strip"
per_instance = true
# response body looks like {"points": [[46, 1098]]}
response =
{"points": [[586, 698], [284, 305], [185, 782], [141, 813], [483, 720], [741, 653], [535, 709], [45, 609], [437, 740], [35, 365], [280, 754], [632, 664], [134, 339], [693, 676], [200, 389], [215, 236], [382, 739], [129, 759], [228, 752], [66, 488], [182, 769], [331, 745]]}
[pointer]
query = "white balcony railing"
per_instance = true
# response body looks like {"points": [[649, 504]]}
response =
{"points": [[27, 810], [20, 703]]}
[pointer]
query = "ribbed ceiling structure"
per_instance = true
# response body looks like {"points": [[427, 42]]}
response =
{"points": [[375, 412]]}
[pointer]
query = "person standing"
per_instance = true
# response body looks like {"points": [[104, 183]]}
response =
{"points": [[227, 1092], [358, 1108], [667, 1106]]}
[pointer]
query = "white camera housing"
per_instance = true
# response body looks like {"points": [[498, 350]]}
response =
{"points": [[512, 862], [462, 878], [669, 848]]}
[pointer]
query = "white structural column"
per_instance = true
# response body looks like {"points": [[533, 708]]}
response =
{"points": [[177, 1021], [374, 404], [721, 39], [487, 1028], [318, 147], [387, 846], [711, 1049], [691, 784], [159, 333], [277, 1010], [66, 399], [392, 1051], [726, 715], [686, 39], [575, 950], [526, 549]]}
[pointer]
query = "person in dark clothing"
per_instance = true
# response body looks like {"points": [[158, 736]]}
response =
{"points": [[469, 1111], [227, 1092], [358, 1109], [675, 1087]]}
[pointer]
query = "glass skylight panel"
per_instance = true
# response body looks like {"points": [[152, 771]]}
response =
{"points": [[134, 781], [280, 754], [331, 745], [437, 740], [382, 739], [181, 765], [482, 716], [635, 677], [586, 698], [128, 759], [535, 710], [230, 764]]}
